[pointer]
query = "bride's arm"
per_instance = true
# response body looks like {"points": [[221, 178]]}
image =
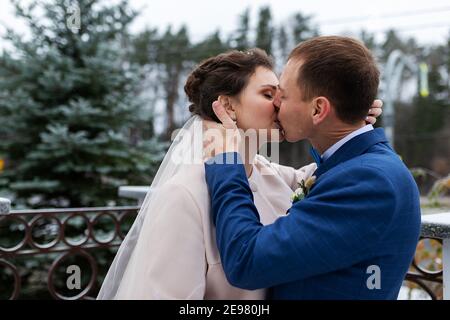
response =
{"points": [[171, 249]]}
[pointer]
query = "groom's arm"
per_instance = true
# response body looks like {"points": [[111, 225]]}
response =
{"points": [[324, 232]]}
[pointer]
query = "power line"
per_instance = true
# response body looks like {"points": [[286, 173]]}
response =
{"points": [[416, 27], [384, 16]]}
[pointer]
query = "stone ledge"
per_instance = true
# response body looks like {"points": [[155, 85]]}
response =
{"points": [[436, 225], [134, 192]]}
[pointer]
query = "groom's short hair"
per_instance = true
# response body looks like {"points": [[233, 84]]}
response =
{"points": [[341, 69]]}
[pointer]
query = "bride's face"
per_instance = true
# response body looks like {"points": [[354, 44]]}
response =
{"points": [[255, 107]]}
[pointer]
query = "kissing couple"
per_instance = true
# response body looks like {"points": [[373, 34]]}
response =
{"points": [[231, 224]]}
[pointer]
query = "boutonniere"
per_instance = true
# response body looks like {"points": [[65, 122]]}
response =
{"points": [[303, 189]]}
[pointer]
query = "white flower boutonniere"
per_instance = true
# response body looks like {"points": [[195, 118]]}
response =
{"points": [[303, 189]]}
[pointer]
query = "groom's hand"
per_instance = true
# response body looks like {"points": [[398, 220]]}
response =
{"points": [[220, 137], [374, 112]]}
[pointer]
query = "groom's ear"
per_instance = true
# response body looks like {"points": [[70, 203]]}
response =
{"points": [[227, 102], [321, 109]]}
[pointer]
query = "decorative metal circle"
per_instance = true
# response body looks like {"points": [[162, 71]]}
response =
{"points": [[17, 279], [25, 239], [423, 253], [51, 244], [123, 216], [96, 221], [58, 261], [65, 226]]}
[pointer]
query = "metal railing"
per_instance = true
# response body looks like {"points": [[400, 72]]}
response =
{"points": [[426, 272], [55, 236], [80, 232]]}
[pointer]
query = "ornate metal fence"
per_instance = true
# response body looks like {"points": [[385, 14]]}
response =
{"points": [[426, 270], [45, 249], [55, 244]]}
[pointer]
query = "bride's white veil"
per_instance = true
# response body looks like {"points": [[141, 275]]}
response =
{"points": [[186, 148]]}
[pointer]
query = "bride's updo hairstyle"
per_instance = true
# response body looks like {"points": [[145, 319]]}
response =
{"points": [[225, 74]]}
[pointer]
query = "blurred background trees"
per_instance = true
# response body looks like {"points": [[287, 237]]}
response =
{"points": [[70, 108]]}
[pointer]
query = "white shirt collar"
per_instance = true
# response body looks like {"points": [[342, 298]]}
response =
{"points": [[331, 150]]}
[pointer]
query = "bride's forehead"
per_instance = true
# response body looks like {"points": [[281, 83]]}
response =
{"points": [[264, 77]]}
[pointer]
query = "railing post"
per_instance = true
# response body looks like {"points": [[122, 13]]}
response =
{"points": [[438, 226], [446, 267], [5, 206]]}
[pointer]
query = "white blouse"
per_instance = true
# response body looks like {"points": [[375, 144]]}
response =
{"points": [[176, 256]]}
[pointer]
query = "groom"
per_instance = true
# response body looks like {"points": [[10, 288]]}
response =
{"points": [[355, 233]]}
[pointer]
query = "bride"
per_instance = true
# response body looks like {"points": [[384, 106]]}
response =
{"points": [[170, 252]]}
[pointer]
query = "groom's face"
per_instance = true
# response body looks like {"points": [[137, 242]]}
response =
{"points": [[295, 115]]}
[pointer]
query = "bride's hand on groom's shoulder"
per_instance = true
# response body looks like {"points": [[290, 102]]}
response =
{"points": [[220, 137], [375, 111]]}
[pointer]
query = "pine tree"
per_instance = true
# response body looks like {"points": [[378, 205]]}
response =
{"points": [[242, 41], [173, 49], [264, 31], [211, 46], [394, 42], [368, 39], [68, 106], [302, 29], [168, 58], [283, 43]]}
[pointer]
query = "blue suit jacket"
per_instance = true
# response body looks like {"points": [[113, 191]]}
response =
{"points": [[358, 225]]}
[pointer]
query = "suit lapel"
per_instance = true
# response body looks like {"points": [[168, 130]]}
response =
{"points": [[351, 149]]}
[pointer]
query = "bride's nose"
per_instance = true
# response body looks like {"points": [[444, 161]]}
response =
{"points": [[277, 100]]}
